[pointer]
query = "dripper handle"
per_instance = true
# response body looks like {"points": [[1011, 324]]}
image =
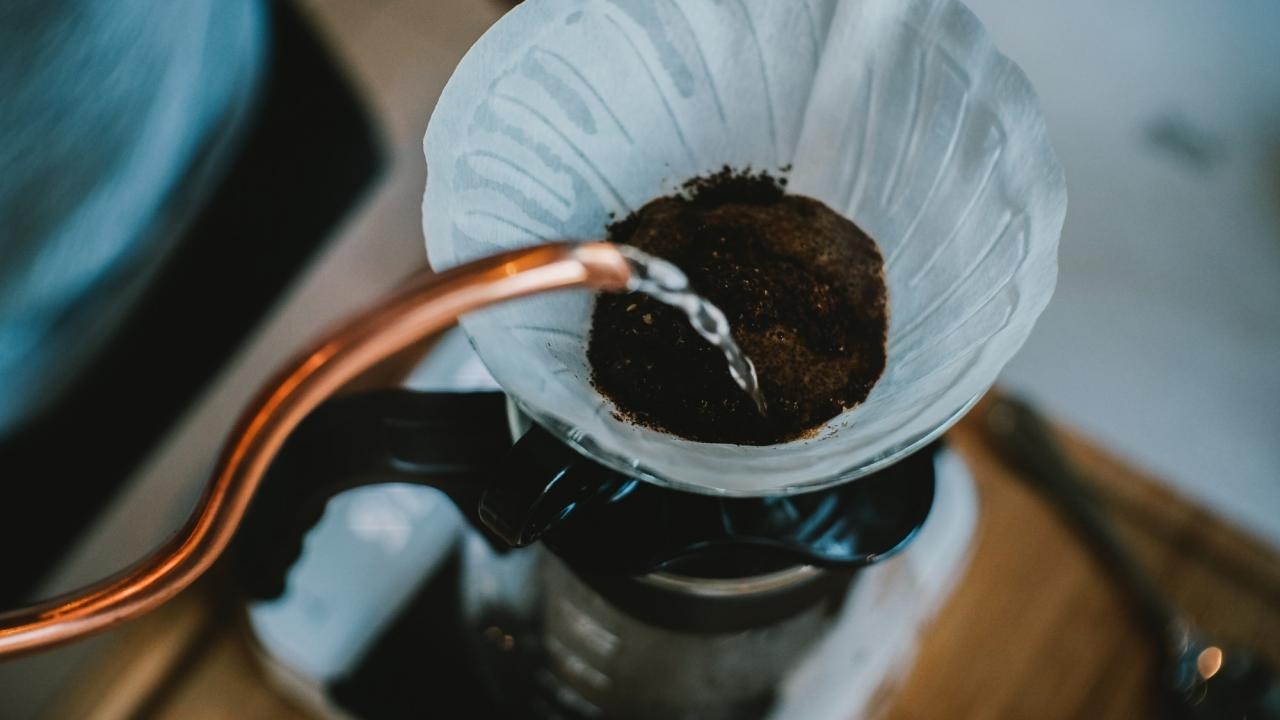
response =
{"points": [[447, 441], [456, 442], [537, 485]]}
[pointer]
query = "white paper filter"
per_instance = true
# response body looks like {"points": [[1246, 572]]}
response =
{"points": [[568, 114]]}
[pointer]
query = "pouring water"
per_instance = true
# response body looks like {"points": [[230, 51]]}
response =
{"points": [[666, 283]]}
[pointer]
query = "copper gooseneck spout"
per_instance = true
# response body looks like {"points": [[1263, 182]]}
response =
{"points": [[426, 306]]}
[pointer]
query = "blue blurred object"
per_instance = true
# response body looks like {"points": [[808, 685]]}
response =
{"points": [[117, 117], [124, 325]]}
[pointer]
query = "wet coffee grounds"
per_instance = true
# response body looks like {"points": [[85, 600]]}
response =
{"points": [[803, 290]]}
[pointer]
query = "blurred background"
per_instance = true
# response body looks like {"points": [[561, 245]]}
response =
{"points": [[192, 190]]}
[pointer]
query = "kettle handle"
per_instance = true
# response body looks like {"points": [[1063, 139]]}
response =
{"points": [[444, 440]]}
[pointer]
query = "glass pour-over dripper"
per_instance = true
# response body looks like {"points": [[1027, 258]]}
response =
{"points": [[568, 115]]}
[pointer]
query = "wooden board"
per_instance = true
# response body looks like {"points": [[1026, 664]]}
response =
{"points": [[1034, 630]]}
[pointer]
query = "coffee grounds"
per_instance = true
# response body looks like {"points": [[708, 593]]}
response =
{"points": [[803, 290]]}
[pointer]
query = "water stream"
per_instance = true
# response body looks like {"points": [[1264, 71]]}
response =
{"points": [[666, 283]]}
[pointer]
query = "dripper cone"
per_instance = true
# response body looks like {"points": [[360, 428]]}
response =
{"points": [[569, 114]]}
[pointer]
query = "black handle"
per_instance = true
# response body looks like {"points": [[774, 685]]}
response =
{"points": [[448, 441], [539, 488], [538, 484], [603, 521]]}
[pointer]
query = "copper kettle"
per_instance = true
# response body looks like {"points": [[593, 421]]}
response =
{"points": [[426, 306]]}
